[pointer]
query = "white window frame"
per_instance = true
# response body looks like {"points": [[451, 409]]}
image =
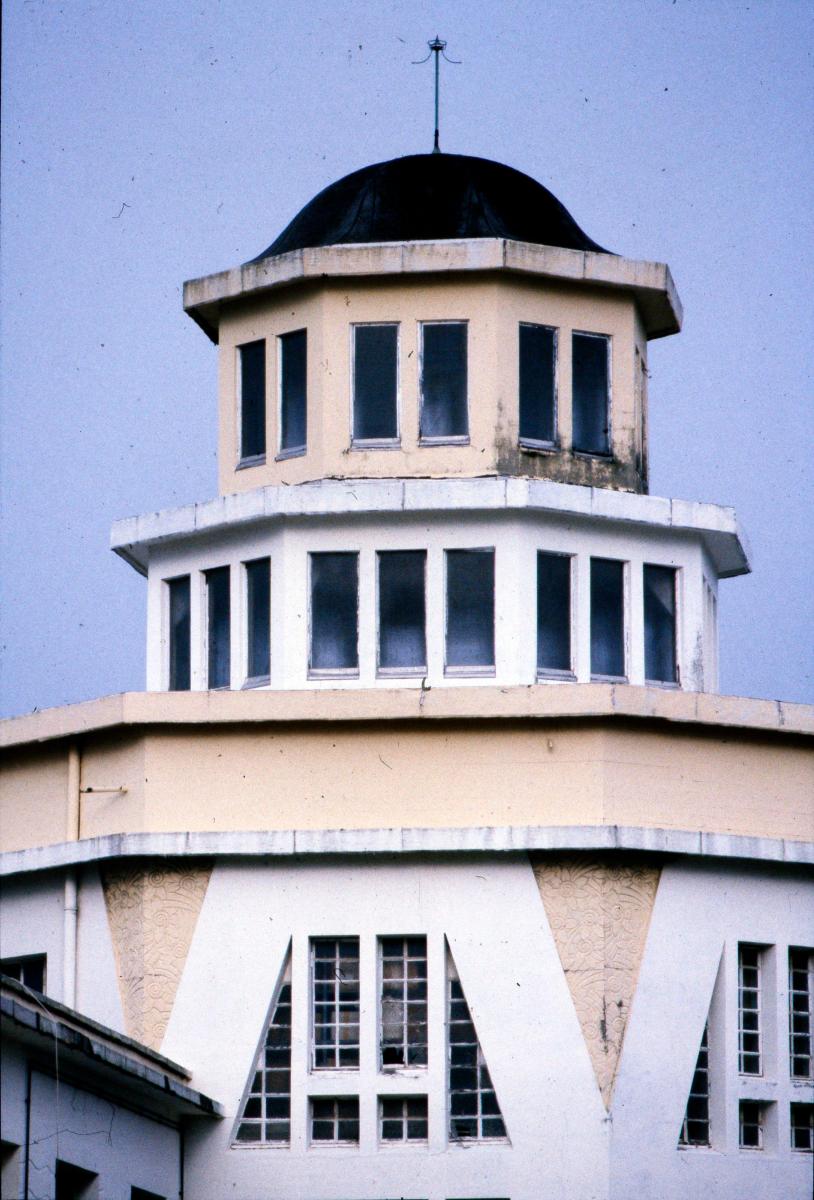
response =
{"points": [[312, 1004], [758, 1031], [356, 443]]}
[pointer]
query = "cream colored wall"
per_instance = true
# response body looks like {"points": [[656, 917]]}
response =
{"points": [[416, 774], [493, 305], [33, 787]]}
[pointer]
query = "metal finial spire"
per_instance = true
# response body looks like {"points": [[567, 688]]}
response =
{"points": [[437, 47]]}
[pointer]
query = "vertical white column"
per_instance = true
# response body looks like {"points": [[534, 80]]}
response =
{"points": [[197, 630], [634, 620], [436, 610], [367, 614], [581, 605], [237, 623], [157, 657]]}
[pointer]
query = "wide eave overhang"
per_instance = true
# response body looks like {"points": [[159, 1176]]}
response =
{"points": [[650, 283]]}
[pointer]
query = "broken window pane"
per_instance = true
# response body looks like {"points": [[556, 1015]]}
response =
{"points": [[590, 393], [660, 624], [252, 399], [444, 381], [553, 612], [179, 597], [470, 609], [403, 1015], [751, 1120], [375, 356], [402, 618], [537, 404], [258, 614], [218, 640], [293, 391], [334, 612], [802, 1126], [607, 618]]}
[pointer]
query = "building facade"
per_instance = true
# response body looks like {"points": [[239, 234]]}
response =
{"points": [[431, 851]]}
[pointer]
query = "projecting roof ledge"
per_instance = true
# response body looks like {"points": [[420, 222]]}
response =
{"points": [[650, 282]]}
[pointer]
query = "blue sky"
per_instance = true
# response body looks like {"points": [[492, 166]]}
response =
{"points": [[145, 144]]}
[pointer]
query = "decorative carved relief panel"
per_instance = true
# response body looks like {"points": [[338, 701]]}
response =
{"points": [[599, 912], [152, 911]]}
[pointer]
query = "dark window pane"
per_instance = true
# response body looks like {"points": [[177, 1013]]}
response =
{"points": [[402, 640], [374, 382], [258, 605], [470, 608], [29, 970], [218, 633], [660, 624], [607, 617], [443, 381], [553, 612], [334, 611], [293, 390], [537, 350], [179, 634], [590, 410], [252, 399]]}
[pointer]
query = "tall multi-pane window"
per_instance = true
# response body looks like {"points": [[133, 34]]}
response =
{"points": [[537, 384], [402, 611], [218, 637], [375, 383], [553, 612], [335, 1119], [470, 616], [444, 410], [695, 1127], [660, 624], [179, 633], [590, 393], [334, 613], [749, 987], [293, 355], [252, 384], [266, 1114], [802, 1127], [801, 1012], [607, 618], [403, 1015], [258, 619], [474, 1111], [335, 1003]]}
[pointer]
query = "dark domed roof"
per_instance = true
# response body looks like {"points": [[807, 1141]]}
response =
{"points": [[432, 197]]}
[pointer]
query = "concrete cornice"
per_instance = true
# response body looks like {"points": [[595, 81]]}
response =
{"points": [[139, 711], [490, 840], [651, 283], [132, 537]]}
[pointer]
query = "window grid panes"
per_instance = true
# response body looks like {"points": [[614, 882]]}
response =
{"points": [[179, 631], [258, 618], [802, 1127], [695, 1127], [403, 1118], [659, 586], [444, 414], [335, 1119], [590, 384], [607, 618], [537, 358], [402, 612], [266, 1115], [375, 383], [218, 639], [553, 612], [751, 1115], [474, 1112], [801, 1012], [470, 615], [252, 358], [403, 967], [334, 613], [749, 1048], [29, 971], [335, 1003], [293, 391]]}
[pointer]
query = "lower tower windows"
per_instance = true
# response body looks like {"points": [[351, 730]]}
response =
{"points": [[470, 612], [179, 633], [607, 618], [334, 633]]}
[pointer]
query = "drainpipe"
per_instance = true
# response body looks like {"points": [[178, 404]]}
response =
{"points": [[70, 902]]}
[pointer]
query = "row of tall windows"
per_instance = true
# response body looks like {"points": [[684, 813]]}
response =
{"points": [[469, 621], [443, 388], [336, 1031], [755, 1116]]}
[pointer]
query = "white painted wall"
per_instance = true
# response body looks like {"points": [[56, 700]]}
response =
{"points": [[516, 538]]}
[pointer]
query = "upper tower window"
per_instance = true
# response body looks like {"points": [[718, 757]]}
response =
{"points": [[537, 387], [444, 416], [252, 360], [590, 384], [375, 384], [293, 392]]}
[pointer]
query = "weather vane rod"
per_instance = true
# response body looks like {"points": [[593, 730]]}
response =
{"points": [[437, 47]]}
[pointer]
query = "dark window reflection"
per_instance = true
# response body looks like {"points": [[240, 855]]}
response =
{"points": [[444, 381], [553, 612], [334, 612], [470, 608], [375, 383], [607, 617], [402, 641], [537, 354], [293, 390], [179, 634], [590, 393], [660, 624], [218, 628]]}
